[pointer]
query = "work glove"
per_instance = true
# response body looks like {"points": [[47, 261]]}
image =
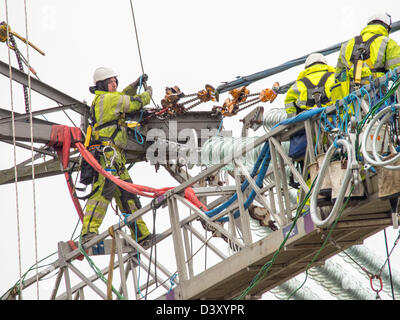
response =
{"points": [[149, 90], [133, 87], [136, 83]]}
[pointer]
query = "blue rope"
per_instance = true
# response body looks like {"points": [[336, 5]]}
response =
{"points": [[373, 89], [363, 90], [140, 118], [171, 280], [263, 160], [394, 75], [353, 97], [220, 126], [126, 215], [138, 132], [244, 185], [335, 143]]}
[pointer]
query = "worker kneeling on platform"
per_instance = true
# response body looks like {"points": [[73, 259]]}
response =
{"points": [[109, 139]]}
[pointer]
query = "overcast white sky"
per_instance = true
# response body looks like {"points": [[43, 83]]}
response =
{"points": [[183, 43]]}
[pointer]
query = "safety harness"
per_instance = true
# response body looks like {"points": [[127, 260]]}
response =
{"points": [[88, 174], [360, 54], [116, 122], [316, 94]]}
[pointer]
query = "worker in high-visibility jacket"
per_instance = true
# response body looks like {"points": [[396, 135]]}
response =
{"points": [[315, 87], [372, 53], [109, 136]]}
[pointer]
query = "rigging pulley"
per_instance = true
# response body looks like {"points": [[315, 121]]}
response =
{"points": [[240, 102], [172, 105], [3, 36]]}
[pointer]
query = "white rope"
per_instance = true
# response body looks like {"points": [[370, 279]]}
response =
{"points": [[137, 38], [32, 152], [138, 45], [15, 148]]}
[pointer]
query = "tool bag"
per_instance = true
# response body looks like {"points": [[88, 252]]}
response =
{"points": [[88, 174], [298, 144]]}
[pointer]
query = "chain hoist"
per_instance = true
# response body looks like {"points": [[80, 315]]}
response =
{"points": [[7, 35], [240, 101], [172, 102]]}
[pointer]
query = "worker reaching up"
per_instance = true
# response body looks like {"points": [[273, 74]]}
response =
{"points": [[372, 53], [315, 87], [109, 139]]}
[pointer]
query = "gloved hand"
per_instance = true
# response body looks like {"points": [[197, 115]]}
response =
{"points": [[149, 90], [135, 84]]}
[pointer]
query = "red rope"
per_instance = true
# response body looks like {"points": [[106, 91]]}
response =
{"points": [[130, 187], [61, 139]]}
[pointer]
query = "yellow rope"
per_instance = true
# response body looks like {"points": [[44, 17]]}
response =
{"points": [[111, 264]]}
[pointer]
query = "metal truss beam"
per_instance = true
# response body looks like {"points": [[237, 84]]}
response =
{"points": [[43, 88]]}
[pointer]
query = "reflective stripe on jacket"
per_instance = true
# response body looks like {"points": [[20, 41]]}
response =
{"points": [[111, 106]]}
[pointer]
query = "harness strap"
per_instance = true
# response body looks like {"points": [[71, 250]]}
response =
{"points": [[316, 93], [361, 49], [88, 195], [361, 52]]}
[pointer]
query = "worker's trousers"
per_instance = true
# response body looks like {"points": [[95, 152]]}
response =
{"points": [[127, 202]]}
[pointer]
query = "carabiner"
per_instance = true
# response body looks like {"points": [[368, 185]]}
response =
{"points": [[372, 277], [112, 158]]}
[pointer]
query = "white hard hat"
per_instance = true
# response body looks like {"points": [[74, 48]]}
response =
{"points": [[313, 58], [383, 17], [103, 73]]}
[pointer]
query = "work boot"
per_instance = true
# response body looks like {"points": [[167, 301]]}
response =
{"points": [[149, 240], [88, 236]]}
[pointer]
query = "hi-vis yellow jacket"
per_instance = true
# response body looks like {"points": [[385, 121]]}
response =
{"points": [[298, 96], [384, 55], [109, 110]]}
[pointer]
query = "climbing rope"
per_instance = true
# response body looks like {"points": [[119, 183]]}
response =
{"points": [[389, 267], [96, 269], [15, 289], [138, 45], [15, 156], [327, 237], [32, 151], [267, 266], [153, 245], [377, 275]]}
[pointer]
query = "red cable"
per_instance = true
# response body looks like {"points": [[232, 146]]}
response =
{"points": [[130, 187], [61, 139]]}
